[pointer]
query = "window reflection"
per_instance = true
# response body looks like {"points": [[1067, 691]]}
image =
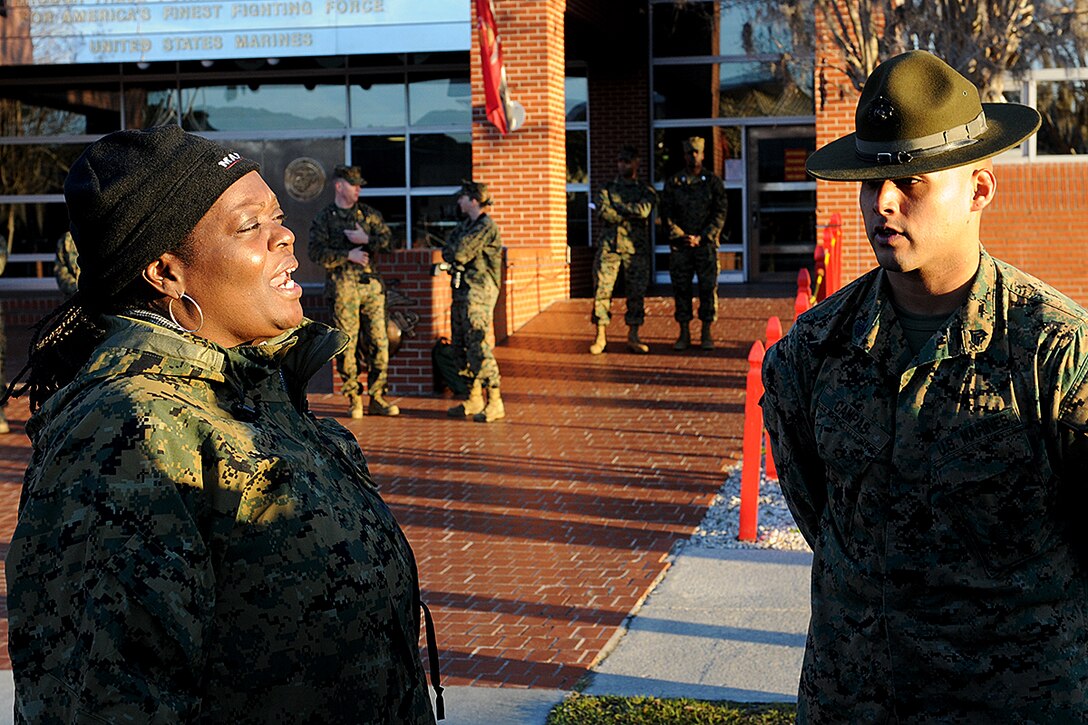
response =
{"points": [[36, 168], [730, 27], [441, 159], [577, 98], [35, 229], [440, 101], [146, 107], [736, 90], [1064, 107], [264, 107], [378, 102], [577, 157], [722, 143]]}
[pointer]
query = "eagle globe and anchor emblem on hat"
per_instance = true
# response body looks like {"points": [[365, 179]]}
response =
{"points": [[917, 115]]}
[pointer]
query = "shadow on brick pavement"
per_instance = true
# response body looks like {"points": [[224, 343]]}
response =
{"points": [[538, 535]]}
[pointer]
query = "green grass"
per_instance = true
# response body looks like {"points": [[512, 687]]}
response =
{"points": [[612, 710]]}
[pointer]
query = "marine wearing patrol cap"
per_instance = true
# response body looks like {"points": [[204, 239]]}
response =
{"points": [[350, 174]]}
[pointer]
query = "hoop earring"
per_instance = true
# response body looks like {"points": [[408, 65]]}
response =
{"points": [[170, 308]]}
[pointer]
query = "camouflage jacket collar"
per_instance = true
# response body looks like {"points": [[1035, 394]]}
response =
{"points": [[135, 347], [968, 331]]}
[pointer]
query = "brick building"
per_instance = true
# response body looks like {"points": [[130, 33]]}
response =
{"points": [[395, 86]]}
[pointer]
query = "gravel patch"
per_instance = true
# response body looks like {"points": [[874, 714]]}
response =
{"points": [[775, 526]]}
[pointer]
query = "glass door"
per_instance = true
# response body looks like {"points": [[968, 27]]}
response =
{"points": [[782, 202]]}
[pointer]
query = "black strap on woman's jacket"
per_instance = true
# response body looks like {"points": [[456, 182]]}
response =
{"points": [[432, 656]]}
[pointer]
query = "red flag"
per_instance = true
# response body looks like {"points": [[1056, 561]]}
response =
{"points": [[494, 73]]}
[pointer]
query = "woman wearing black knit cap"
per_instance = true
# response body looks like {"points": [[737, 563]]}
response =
{"points": [[193, 545]]}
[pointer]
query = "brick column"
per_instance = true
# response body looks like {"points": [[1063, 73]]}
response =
{"points": [[526, 170]]}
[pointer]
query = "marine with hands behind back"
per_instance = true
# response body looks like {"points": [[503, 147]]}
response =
{"points": [[929, 423]]}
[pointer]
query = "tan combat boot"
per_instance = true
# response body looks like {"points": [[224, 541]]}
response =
{"points": [[470, 407], [634, 344], [706, 341], [684, 341], [380, 406], [494, 410], [598, 344], [355, 407]]}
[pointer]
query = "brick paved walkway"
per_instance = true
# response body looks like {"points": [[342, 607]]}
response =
{"points": [[537, 535]]}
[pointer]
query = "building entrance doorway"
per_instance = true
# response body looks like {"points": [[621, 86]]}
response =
{"points": [[781, 201]]}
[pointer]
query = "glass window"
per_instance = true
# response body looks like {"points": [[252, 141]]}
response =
{"points": [[577, 157], [735, 28], [577, 98], [441, 159], [578, 218], [264, 107], [36, 229], [441, 101], [432, 219], [1064, 108], [381, 159], [52, 112], [378, 101], [36, 168], [146, 107], [731, 89]]}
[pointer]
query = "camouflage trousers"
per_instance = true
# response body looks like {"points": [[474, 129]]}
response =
{"points": [[358, 310], [702, 262], [472, 319], [636, 275]]}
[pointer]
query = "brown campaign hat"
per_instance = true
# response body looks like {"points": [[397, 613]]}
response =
{"points": [[917, 115], [350, 174]]}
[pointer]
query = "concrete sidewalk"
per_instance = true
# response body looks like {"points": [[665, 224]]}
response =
{"points": [[726, 624]]}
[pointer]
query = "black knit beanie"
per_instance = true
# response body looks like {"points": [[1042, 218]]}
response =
{"points": [[134, 195]]}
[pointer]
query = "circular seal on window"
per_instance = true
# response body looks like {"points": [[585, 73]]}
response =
{"points": [[304, 178]]}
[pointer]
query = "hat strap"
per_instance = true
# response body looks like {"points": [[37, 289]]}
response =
{"points": [[905, 151]]}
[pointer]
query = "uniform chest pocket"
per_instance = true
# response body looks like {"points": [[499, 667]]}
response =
{"points": [[1000, 496], [849, 441]]}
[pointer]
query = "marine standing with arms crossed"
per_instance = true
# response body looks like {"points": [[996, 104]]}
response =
{"points": [[624, 206], [693, 209], [474, 249], [344, 238], [930, 427]]}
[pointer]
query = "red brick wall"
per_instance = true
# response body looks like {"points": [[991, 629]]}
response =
{"points": [[526, 170], [1030, 224]]}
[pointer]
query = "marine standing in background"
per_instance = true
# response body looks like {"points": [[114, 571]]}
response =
{"points": [[474, 249], [929, 422], [693, 209], [624, 207], [66, 265], [344, 238]]}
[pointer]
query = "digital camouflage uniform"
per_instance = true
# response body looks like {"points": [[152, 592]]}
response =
{"points": [[694, 204], [356, 294], [943, 495], [194, 546], [477, 247], [66, 266], [624, 206]]}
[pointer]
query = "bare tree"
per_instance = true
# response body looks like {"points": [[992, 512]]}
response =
{"points": [[983, 39]]}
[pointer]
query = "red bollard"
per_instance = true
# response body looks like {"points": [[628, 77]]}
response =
{"points": [[819, 287], [753, 439], [774, 334], [803, 301], [830, 277]]}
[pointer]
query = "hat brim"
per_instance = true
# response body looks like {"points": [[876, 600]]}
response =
{"points": [[1007, 125]]}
